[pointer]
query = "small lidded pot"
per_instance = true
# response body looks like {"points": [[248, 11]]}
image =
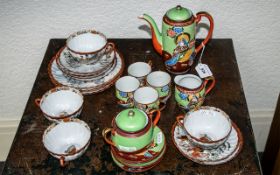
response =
{"points": [[132, 130]]}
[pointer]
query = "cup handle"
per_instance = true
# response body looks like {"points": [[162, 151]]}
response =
{"points": [[110, 48], [179, 118], [37, 101], [211, 27], [62, 161], [105, 134], [157, 117], [162, 106], [211, 85], [150, 63]]}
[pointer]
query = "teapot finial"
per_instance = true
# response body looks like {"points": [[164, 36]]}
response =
{"points": [[131, 113], [178, 7]]}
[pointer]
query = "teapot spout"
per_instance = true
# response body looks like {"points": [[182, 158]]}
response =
{"points": [[156, 35]]}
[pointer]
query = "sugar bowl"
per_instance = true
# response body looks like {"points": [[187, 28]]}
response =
{"points": [[132, 130]]}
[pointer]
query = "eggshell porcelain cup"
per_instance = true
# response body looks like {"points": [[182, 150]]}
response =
{"points": [[208, 127], [161, 81], [190, 90], [67, 141], [125, 87], [147, 99], [140, 70], [61, 103], [88, 46]]}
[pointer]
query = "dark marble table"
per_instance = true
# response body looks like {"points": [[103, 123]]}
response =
{"points": [[28, 156]]}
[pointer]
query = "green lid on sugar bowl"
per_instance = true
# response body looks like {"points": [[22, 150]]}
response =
{"points": [[179, 13], [131, 120]]}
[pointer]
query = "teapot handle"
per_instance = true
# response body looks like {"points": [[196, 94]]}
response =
{"points": [[157, 117], [105, 134], [210, 32]]}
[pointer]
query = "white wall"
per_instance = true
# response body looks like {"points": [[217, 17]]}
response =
{"points": [[27, 26]]}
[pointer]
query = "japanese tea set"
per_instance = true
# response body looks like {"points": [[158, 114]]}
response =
{"points": [[89, 64]]}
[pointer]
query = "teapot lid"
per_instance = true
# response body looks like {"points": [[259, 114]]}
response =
{"points": [[179, 13], [131, 120]]}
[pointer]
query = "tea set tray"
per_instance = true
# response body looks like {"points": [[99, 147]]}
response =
{"points": [[28, 155]]}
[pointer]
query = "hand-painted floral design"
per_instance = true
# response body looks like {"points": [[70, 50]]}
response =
{"points": [[183, 96], [165, 88]]}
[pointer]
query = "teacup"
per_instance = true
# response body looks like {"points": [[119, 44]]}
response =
{"points": [[161, 81], [140, 70], [61, 103], [147, 99], [68, 140], [88, 46], [190, 90], [125, 87], [207, 127]]}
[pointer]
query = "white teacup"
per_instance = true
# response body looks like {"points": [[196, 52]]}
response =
{"points": [[67, 141], [161, 81], [140, 70], [61, 103], [125, 87], [208, 127], [147, 99], [88, 46]]}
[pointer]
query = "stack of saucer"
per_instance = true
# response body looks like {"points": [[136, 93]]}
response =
{"points": [[207, 136], [143, 160], [137, 144], [88, 63]]}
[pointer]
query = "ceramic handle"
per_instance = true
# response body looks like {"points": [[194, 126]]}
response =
{"points": [[110, 48], [157, 117], [62, 161], [210, 87], [179, 118], [150, 63], [105, 134], [211, 27], [37, 101]]}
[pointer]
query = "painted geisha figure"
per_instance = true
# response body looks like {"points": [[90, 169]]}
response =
{"points": [[184, 50]]}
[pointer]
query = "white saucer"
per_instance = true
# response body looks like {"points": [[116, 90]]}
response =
{"points": [[220, 155], [89, 86], [68, 64]]}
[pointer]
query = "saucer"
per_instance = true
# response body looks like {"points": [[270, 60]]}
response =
{"points": [[148, 154], [139, 167], [72, 67], [224, 153], [90, 86]]}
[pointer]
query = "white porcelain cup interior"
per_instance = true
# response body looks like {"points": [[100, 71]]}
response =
{"points": [[145, 95], [188, 81], [62, 102], [158, 78], [213, 124], [127, 84], [139, 69], [66, 135], [86, 42]]}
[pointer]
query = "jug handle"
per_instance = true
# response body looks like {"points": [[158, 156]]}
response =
{"points": [[211, 85], [211, 27]]}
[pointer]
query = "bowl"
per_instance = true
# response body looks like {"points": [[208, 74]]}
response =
{"points": [[67, 140], [207, 127], [61, 103]]}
